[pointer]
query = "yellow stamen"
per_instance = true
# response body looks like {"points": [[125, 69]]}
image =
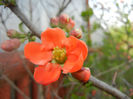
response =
{"points": [[59, 55]]}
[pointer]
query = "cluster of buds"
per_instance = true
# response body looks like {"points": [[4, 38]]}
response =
{"points": [[66, 23], [15, 41], [16, 38], [63, 21], [82, 75], [10, 45]]}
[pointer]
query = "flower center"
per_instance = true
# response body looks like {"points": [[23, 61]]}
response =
{"points": [[59, 55]]}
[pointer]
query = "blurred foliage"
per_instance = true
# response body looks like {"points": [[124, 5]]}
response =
{"points": [[87, 14], [8, 2]]}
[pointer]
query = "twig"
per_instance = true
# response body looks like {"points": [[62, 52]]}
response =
{"points": [[112, 69], [70, 91], [45, 9], [14, 86], [127, 83], [63, 7], [107, 88], [26, 67], [3, 21], [55, 93], [18, 13], [40, 92], [114, 79]]}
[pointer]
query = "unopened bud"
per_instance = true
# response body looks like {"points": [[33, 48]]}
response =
{"points": [[33, 38], [15, 34], [82, 75], [63, 19], [11, 33], [70, 25], [10, 45], [54, 21], [77, 33]]}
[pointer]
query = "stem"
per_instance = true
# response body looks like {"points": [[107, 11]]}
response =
{"points": [[107, 88], [18, 13], [14, 86], [63, 7]]}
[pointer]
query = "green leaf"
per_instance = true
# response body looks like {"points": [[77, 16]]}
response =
{"points": [[22, 35], [21, 27], [73, 96], [83, 28], [95, 26], [22, 40], [10, 2], [73, 17], [117, 5], [90, 12], [87, 12], [1, 2]]}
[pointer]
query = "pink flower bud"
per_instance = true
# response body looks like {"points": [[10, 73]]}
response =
{"points": [[70, 25], [64, 19], [77, 33], [82, 75], [54, 21], [10, 45], [11, 32]]}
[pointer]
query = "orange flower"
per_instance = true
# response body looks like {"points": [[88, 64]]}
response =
{"points": [[55, 53]]}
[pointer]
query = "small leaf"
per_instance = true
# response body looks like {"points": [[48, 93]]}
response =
{"points": [[1, 2], [21, 27], [22, 40], [86, 14], [21, 35], [83, 28], [95, 26]]}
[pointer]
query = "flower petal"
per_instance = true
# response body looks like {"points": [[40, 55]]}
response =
{"points": [[84, 48], [33, 52], [76, 54], [76, 46], [73, 63], [53, 37], [47, 74]]}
